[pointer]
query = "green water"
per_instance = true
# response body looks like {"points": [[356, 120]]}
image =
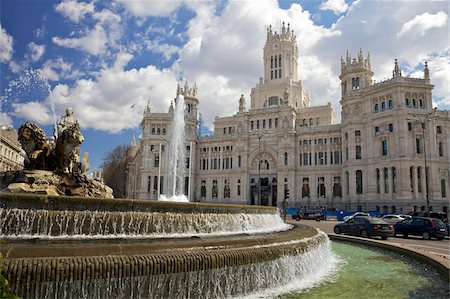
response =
{"points": [[373, 273]]}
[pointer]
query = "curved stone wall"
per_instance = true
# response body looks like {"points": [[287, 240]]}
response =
{"points": [[226, 244]]}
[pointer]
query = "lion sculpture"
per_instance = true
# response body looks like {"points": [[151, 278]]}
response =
{"points": [[67, 150], [39, 152]]}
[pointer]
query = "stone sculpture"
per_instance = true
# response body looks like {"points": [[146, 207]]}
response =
{"points": [[67, 148], [53, 168], [39, 152]]}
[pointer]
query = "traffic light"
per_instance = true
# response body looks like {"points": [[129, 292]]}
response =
{"points": [[286, 193]]}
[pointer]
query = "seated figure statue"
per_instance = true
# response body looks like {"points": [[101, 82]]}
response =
{"points": [[66, 121], [39, 153]]}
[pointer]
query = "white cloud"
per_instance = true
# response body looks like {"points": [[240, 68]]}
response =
{"points": [[37, 112], [423, 22], [115, 99], [58, 69], [35, 51], [94, 42], [6, 46], [142, 8], [73, 10], [166, 50], [336, 6], [5, 120]]}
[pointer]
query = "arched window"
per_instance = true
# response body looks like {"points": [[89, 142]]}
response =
{"points": [[285, 158], [383, 106], [273, 101], [279, 62], [420, 103], [376, 107], [406, 102], [413, 103], [271, 62], [390, 104]]}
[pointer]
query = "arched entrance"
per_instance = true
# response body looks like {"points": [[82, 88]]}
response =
{"points": [[263, 180]]}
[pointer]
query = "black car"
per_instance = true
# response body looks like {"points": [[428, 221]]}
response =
{"points": [[312, 214], [421, 226], [365, 226]]}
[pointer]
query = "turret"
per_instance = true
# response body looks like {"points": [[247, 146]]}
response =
{"points": [[280, 55], [190, 98], [355, 73]]}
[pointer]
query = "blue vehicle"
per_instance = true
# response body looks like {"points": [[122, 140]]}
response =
{"points": [[421, 226], [365, 226]]}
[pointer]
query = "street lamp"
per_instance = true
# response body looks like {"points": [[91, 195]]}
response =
{"points": [[259, 134], [423, 121]]}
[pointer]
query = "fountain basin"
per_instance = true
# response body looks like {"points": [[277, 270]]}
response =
{"points": [[227, 250]]}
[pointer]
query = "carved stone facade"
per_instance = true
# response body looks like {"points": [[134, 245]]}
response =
{"points": [[373, 160]]}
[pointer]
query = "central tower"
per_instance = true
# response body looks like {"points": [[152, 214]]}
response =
{"points": [[280, 85]]}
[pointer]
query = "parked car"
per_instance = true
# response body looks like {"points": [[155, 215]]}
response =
{"points": [[421, 226], [365, 226], [309, 214], [356, 214], [392, 218]]}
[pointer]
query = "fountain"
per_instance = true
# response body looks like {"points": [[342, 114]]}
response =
{"points": [[177, 155], [76, 247]]}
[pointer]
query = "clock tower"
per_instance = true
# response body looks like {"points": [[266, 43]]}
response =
{"points": [[280, 85]]}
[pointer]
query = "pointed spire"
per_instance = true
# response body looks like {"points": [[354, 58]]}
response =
{"points": [[426, 72], [368, 60], [360, 56], [396, 72], [283, 29], [133, 141], [171, 107]]}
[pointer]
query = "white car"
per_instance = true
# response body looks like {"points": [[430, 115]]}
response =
{"points": [[356, 214], [392, 218]]}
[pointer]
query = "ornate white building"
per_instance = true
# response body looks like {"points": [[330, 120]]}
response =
{"points": [[10, 150], [374, 160]]}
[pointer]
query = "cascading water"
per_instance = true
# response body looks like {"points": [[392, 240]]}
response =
{"points": [[47, 224], [177, 155]]}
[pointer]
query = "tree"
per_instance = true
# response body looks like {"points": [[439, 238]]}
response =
{"points": [[114, 170]]}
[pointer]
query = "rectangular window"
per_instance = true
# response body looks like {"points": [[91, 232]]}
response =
{"points": [[264, 123], [384, 147], [285, 159], [358, 152], [156, 164], [418, 150], [279, 73], [239, 161], [439, 130], [305, 159], [251, 125], [321, 158], [270, 123]]}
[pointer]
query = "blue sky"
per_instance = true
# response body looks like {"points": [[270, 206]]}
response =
{"points": [[107, 59]]}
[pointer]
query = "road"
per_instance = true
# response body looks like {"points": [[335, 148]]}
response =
{"points": [[438, 247]]}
